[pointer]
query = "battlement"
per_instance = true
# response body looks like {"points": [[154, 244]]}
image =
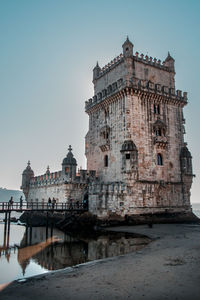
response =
{"points": [[112, 64], [149, 60], [136, 84], [145, 59], [83, 176], [46, 179]]}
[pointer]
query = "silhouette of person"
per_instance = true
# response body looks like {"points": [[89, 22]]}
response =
{"points": [[21, 202], [49, 202], [11, 202]]}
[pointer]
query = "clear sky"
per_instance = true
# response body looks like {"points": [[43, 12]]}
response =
{"points": [[48, 49]]}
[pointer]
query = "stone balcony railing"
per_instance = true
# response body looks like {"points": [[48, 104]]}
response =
{"points": [[160, 141], [104, 145], [137, 84]]}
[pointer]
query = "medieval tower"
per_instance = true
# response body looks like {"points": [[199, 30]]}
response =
{"points": [[135, 140], [137, 160]]}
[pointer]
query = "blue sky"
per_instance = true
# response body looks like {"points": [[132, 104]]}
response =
{"points": [[48, 51]]}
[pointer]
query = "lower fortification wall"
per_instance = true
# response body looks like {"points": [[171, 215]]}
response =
{"points": [[61, 192], [138, 198]]}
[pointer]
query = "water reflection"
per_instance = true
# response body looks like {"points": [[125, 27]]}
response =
{"points": [[33, 253]]}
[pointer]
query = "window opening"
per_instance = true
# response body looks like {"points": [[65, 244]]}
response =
{"points": [[156, 109], [106, 161], [159, 159], [158, 132]]}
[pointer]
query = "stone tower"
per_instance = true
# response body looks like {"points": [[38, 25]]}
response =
{"points": [[135, 140]]}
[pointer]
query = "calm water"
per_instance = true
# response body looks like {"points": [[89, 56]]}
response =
{"points": [[23, 255]]}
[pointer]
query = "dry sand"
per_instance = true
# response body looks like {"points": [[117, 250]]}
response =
{"points": [[168, 268]]}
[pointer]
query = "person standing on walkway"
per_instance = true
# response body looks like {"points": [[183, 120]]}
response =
{"points": [[49, 202], [21, 202], [53, 202], [11, 202]]}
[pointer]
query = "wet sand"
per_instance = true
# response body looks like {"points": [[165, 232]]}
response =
{"points": [[168, 268]]}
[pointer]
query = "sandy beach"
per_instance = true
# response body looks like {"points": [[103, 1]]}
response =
{"points": [[168, 268]]}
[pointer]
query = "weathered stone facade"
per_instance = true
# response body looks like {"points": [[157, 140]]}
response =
{"points": [[137, 161], [135, 140]]}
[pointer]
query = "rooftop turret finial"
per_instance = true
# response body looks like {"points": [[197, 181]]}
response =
{"points": [[29, 163], [169, 62], [96, 71], [169, 57], [70, 148], [127, 48]]}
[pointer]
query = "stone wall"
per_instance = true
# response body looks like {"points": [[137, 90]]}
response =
{"points": [[139, 198], [61, 192]]}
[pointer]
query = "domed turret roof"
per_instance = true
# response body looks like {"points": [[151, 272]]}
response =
{"points": [[185, 152], [28, 170], [127, 42], [69, 159], [129, 146]]}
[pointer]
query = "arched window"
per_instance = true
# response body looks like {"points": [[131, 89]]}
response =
{"points": [[156, 109], [159, 159], [106, 161], [158, 132]]}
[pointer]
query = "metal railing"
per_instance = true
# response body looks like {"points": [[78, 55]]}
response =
{"points": [[40, 206]]}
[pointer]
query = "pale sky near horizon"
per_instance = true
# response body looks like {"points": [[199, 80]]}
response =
{"points": [[48, 51]]}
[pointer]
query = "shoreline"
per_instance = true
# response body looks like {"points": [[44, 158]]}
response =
{"points": [[167, 268]]}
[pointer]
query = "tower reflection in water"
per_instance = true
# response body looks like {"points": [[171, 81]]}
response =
{"points": [[61, 250]]}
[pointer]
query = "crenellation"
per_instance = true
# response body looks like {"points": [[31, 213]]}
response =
{"points": [[179, 93], [113, 63], [139, 85]]}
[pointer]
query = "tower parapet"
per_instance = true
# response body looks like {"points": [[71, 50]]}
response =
{"points": [[137, 86], [136, 64]]}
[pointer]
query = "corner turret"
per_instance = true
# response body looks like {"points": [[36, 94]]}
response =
{"points": [[26, 177], [69, 165], [186, 161], [127, 48], [96, 71], [169, 62]]}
